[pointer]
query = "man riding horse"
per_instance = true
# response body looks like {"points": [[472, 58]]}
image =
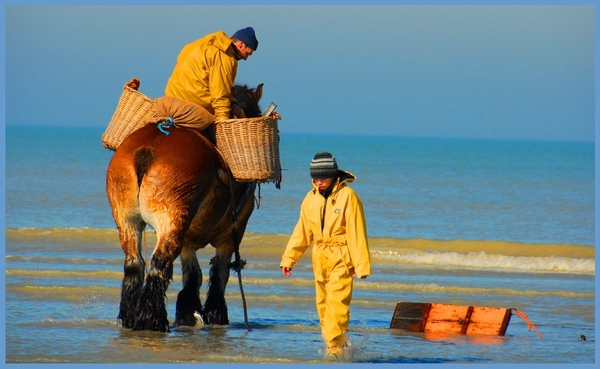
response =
{"points": [[181, 186], [206, 69]]}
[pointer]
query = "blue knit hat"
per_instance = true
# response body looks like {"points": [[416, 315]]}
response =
{"points": [[247, 36]]}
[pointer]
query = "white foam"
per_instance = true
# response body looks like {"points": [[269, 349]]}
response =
{"points": [[481, 260]]}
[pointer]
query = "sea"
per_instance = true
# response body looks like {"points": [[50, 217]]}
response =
{"points": [[469, 222]]}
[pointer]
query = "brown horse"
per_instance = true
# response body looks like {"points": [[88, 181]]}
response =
{"points": [[180, 185]]}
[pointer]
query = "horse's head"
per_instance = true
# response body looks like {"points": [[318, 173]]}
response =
{"points": [[247, 98]]}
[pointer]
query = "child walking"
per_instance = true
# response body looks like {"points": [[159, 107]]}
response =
{"points": [[332, 220]]}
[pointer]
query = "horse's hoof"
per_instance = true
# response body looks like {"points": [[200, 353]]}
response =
{"points": [[199, 319], [215, 318]]}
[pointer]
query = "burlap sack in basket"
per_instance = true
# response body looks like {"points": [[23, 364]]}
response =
{"points": [[251, 148], [184, 113]]}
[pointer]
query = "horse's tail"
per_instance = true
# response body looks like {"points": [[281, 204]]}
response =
{"points": [[142, 160]]}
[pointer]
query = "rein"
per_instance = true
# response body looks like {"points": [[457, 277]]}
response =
{"points": [[238, 264]]}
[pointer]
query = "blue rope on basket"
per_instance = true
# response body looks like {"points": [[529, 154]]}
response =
{"points": [[167, 124]]}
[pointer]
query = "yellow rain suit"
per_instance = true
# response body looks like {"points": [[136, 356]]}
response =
{"points": [[204, 74], [337, 229]]}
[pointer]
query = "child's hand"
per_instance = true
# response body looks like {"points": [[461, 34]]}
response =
{"points": [[286, 271]]}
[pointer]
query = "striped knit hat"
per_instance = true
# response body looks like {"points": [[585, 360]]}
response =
{"points": [[323, 165]]}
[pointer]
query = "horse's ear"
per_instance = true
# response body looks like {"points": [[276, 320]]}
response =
{"points": [[257, 94]]}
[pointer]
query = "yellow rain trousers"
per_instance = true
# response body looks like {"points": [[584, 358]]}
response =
{"points": [[205, 73], [340, 252]]}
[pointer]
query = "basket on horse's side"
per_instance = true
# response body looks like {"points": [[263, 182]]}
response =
{"points": [[251, 148], [134, 110]]}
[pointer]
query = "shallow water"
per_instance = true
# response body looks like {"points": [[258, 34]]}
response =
{"points": [[503, 224], [63, 288]]}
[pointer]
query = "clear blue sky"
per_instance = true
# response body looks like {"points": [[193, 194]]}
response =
{"points": [[505, 71]]}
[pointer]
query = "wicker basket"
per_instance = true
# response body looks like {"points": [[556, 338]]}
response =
{"points": [[134, 110], [251, 148]]}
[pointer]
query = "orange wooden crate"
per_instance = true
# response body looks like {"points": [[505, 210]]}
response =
{"points": [[453, 319]]}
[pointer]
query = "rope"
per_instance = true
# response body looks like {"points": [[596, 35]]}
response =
{"points": [[238, 264], [529, 323], [161, 125], [238, 269], [257, 198]]}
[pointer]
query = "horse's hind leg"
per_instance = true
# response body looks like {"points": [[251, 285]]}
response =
{"points": [[188, 300], [133, 271], [122, 189], [151, 311]]}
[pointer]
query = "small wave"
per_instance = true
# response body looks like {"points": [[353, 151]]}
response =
{"points": [[482, 260], [99, 274], [466, 254], [462, 290]]}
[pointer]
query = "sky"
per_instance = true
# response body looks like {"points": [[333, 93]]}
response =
{"points": [[514, 71]]}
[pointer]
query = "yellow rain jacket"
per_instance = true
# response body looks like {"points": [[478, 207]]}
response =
{"points": [[337, 229], [204, 74]]}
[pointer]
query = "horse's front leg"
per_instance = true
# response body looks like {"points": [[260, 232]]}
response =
{"points": [[151, 311], [215, 308], [188, 299]]}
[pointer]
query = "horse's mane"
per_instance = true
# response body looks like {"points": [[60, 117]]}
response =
{"points": [[244, 97]]}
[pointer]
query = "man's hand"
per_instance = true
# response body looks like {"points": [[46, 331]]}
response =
{"points": [[286, 271]]}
